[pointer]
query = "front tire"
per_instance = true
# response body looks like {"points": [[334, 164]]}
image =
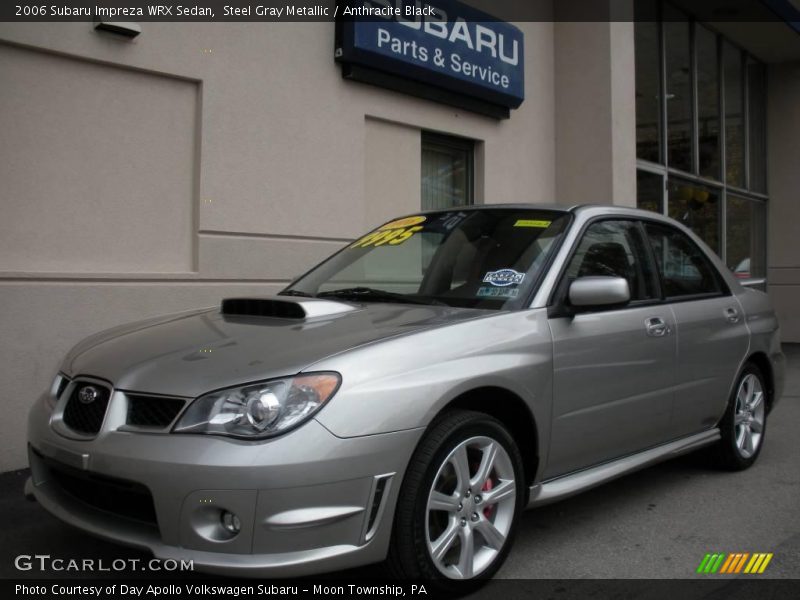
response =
{"points": [[459, 503], [745, 422]]}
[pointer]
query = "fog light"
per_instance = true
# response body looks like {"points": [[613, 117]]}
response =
{"points": [[231, 522]]}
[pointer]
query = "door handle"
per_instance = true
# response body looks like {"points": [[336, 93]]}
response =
{"points": [[732, 315], [656, 327]]}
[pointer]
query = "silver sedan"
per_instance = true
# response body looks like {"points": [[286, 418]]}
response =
{"points": [[407, 398]]}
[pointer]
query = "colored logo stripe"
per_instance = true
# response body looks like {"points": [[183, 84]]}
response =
{"points": [[758, 563], [735, 562], [710, 563]]}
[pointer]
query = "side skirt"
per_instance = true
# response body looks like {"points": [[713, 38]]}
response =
{"points": [[573, 483]]}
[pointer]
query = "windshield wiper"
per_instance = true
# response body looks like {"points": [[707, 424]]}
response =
{"points": [[375, 295], [295, 293]]}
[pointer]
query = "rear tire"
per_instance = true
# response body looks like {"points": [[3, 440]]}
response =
{"points": [[459, 504], [744, 425]]}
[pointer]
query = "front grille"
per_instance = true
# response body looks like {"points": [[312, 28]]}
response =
{"points": [[152, 411], [84, 415], [119, 497]]}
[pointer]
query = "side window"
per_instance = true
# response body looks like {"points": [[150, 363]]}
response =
{"points": [[684, 269], [615, 249]]}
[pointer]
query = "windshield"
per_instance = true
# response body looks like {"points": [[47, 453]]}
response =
{"points": [[489, 258]]}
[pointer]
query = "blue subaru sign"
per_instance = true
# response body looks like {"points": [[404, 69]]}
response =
{"points": [[441, 43]]}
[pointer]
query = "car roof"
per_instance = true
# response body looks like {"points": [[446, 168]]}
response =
{"points": [[582, 209], [512, 206]]}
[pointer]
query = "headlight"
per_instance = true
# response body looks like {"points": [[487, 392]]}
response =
{"points": [[260, 410]]}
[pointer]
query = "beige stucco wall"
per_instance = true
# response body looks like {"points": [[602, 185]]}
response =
{"points": [[90, 140], [205, 160], [783, 149], [595, 125]]}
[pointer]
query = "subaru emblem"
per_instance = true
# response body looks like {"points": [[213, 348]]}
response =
{"points": [[88, 394]]}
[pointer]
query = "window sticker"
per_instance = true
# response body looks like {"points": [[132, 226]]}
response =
{"points": [[450, 221], [497, 292], [504, 277], [532, 223]]}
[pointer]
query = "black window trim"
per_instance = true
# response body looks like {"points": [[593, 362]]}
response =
{"points": [[559, 242]]}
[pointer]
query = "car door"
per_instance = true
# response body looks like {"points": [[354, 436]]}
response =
{"points": [[712, 337], [613, 369]]}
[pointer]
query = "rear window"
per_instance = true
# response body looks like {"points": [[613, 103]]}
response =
{"points": [[684, 269]]}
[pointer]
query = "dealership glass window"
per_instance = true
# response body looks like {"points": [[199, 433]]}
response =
{"points": [[678, 94], [648, 91], [447, 171], [718, 173], [734, 115], [708, 109], [757, 124], [745, 237], [650, 191], [698, 207]]}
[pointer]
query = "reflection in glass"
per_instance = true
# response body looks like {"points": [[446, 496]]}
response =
{"points": [[678, 94], [746, 237], [648, 91], [446, 173], [734, 115], [708, 102], [649, 191], [697, 207], [757, 113]]}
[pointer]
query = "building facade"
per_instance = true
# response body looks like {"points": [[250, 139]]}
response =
{"points": [[202, 160]]}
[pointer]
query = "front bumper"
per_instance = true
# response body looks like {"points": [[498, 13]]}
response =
{"points": [[308, 502]]}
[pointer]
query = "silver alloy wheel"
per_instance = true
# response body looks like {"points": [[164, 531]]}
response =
{"points": [[470, 508], [748, 420]]}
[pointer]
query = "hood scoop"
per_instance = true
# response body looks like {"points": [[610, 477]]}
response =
{"points": [[281, 308]]}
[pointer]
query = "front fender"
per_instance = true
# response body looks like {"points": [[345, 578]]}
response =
{"points": [[404, 383]]}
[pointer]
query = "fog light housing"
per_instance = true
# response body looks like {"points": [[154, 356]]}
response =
{"points": [[230, 522]]}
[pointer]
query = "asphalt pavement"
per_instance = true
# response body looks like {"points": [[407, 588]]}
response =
{"points": [[654, 524]]}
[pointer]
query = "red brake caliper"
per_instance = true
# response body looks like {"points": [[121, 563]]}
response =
{"points": [[487, 512]]}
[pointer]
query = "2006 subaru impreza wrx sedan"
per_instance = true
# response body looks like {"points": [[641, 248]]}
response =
{"points": [[408, 397]]}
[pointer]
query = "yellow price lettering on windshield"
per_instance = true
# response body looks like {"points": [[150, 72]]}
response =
{"points": [[393, 237], [403, 223]]}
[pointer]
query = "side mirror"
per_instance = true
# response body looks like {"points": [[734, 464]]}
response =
{"points": [[599, 291]]}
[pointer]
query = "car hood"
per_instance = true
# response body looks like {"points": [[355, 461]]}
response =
{"points": [[190, 354]]}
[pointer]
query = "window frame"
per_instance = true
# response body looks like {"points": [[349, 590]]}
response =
{"points": [[663, 165], [719, 184], [450, 142]]}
